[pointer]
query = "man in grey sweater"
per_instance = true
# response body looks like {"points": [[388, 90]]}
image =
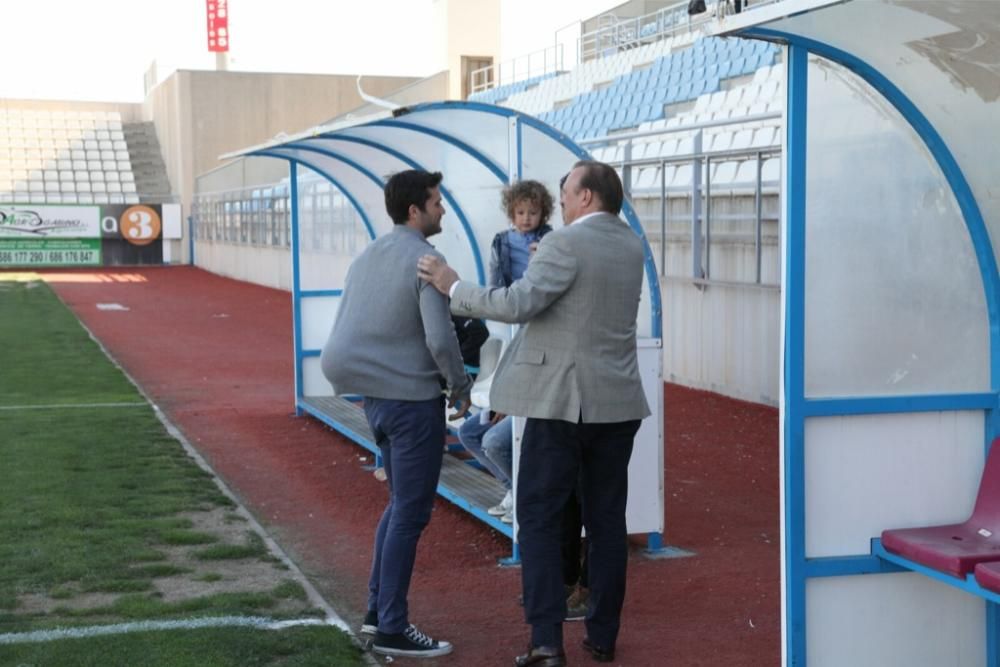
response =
{"points": [[393, 343]]}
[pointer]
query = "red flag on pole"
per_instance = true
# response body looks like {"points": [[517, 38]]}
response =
{"points": [[218, 25]]}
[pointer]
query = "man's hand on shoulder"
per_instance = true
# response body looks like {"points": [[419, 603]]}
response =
{"points": [[437, 272]]}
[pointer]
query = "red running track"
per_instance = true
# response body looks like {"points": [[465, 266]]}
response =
{"points": [[216, 355]]}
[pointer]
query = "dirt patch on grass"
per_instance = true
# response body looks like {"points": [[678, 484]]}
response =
{"points": [[240, 563]]}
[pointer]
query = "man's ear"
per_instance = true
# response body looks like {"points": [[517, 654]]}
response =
{"points": [[413, 212]]}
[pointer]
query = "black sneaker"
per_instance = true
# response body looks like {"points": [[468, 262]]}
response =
{"points": [[370, 625], [410, 643]]}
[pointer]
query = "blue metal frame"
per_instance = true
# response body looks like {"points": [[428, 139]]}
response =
{"points": [[797, 406], [319, 170], [316, 168], [293, 180], [448, 139], [283, 152], [794, 358], [968, 584], [413, 164]]}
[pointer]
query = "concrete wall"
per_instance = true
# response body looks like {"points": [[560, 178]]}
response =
{"points": [[271, 267], [466, 28], [200, 115]]}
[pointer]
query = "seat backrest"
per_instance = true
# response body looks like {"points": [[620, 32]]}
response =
{"points": [[489, 357], [988, 498]]}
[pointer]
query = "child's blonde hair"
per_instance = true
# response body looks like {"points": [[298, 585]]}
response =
{"points": [[531, 191]]}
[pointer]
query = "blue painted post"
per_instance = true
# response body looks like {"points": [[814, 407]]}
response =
{"points": [[794, 357], [191, 240], [296, 284]]}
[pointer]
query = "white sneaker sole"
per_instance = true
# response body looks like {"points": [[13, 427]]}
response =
{"points": [[444, 648], [369, 629]]}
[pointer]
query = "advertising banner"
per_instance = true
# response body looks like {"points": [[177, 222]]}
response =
{"points": [[25, 221], [218, 25], [108, 235], [50, 252]]}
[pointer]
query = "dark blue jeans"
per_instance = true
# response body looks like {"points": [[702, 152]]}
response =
{"points": [[410, 435]]}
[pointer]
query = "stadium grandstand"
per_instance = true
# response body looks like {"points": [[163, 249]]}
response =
{"points": [[737, 130]]}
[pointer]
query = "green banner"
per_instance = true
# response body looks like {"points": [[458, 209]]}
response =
{"points": [[50, 252]]}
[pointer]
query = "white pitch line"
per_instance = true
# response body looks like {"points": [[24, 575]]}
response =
{"points": [[258, 622], [59, 406]]}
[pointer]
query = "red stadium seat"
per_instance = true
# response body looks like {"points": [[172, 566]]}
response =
{"points": [[956, 549]]}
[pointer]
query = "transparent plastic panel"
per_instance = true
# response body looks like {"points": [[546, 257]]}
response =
{"points": [[894, 297], [377, 161], [475, 188], [546, 160], [943, 57], [331, 230], [485, 131]]}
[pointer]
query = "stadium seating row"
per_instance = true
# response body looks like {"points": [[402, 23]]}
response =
{"points": [[68, 198]]}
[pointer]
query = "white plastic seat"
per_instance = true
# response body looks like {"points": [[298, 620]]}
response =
{"points": [[116, 198], [52, 186], [724, 173], [83, 186], [79, 176], [742, 139], [98, 186], [114, 186], [67, 186], [489, 358], [721, 141], [128, 187], [96, 175], [131, 198], [121, 155], [111, 175], [36, 186], [51, 175], [101, 198], [127, 176], [109, 165], [764, 136], [53, 198]]}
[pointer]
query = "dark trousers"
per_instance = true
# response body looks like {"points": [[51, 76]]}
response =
{"points": [[574, 549], [410, 435], [554, 455]]}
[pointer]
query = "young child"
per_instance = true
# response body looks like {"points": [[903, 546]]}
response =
{"points": [[528, 206]]}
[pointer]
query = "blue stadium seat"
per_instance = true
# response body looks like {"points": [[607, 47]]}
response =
{"points": [[632, 116]]}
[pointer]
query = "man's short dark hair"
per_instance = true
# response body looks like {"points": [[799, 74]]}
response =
{"points": [[603, 181], [409, 188]]}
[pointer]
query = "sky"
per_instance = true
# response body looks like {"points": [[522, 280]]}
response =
{"points": [[100, 49]]}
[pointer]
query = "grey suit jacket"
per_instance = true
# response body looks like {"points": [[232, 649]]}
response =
{"points": [[575, 356]]}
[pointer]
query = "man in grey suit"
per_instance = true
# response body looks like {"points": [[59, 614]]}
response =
{"points": [[393, 343], [572, 371]]}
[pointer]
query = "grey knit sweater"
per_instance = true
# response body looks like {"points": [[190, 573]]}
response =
{"points": [[393, 337]]}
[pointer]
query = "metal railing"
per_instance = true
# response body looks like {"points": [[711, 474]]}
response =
{"points": [[261, 216], [535, 64], [701, 196]]}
